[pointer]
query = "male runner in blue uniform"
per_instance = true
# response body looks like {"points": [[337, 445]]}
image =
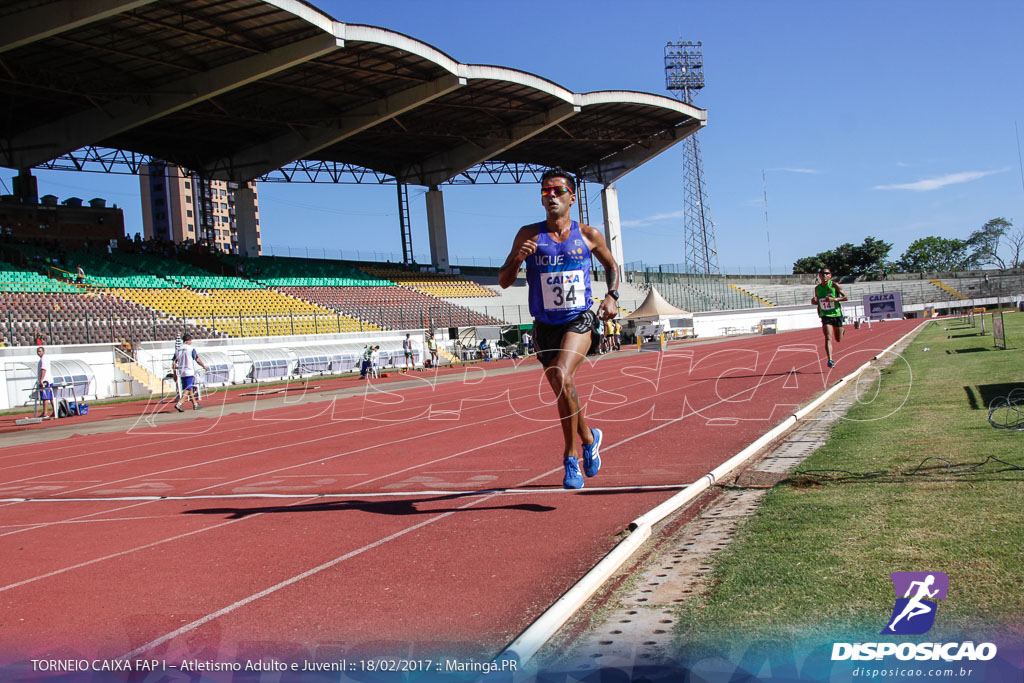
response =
{"points": [[557, 255]]}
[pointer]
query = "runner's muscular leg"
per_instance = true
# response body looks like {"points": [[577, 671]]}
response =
{"points": [[561, 376]]}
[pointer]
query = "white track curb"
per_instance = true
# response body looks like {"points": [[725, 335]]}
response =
{"points": [[529, 642]]}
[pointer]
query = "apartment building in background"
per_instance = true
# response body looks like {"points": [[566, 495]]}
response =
{"points": [[179, 206], [24, 215]]}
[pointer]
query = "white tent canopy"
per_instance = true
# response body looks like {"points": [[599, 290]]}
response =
{"points": [[655, 306]]}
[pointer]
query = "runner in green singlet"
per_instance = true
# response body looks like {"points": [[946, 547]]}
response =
{"points": [[827, 295]]}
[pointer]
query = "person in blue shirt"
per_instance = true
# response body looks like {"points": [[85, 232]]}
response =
{"points": [[557, 254]]}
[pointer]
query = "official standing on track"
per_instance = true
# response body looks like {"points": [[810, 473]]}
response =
{"points": [[366, 362], [185, 359], [45, 392], [432, 347], [407, 351], [557, 254], [827, 295]]}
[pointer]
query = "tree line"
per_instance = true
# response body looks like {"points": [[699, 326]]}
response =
{"points": [[994, 244]]}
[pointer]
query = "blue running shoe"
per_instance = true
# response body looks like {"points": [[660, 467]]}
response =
{"points": [[831, 363], [573, 478], [591, 456]]}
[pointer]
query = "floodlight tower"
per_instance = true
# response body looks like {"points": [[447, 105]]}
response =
{"points": [[684, 77]]}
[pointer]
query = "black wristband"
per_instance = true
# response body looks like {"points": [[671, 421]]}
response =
{"points": [[614, 293]]}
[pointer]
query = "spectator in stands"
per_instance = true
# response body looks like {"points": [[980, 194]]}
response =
{"points": [[80, 276], [432, 347], [43, 389], [557, 254], [185, 360], [827, 295], [407, 350], [37, 338]]}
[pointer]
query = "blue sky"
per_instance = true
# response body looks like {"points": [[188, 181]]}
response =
{"points": [[887, 119]]}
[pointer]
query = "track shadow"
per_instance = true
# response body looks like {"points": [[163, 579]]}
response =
{"points": [[600, 492], [380, 507], [767, 374], [980, 397], [972, 398]]}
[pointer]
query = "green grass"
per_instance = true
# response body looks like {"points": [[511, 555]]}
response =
{"points": [[817, 555]]}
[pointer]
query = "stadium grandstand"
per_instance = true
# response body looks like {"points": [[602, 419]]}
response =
{"points": [[136, 295], [738, 292], [298, 272], [19, 279], [438, 284], [155, 296], [460, 124], [85, 318], [213, 560], [393, 307]]}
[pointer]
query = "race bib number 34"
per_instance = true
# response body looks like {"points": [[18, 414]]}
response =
{"points": [[563, 289]]}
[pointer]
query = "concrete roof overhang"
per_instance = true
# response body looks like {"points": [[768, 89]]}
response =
{"points": [[234, 89]]}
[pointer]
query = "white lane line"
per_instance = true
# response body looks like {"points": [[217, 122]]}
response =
{"points": [[121, 553], [42, 525], [327, 405], [272, 589], [125, 552], [299, 577], [266, 473], [374, 494], [470, 425], [472, 394], [95, 521]]}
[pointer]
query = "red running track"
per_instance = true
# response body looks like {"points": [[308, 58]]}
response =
{"points": [[415, 522]]}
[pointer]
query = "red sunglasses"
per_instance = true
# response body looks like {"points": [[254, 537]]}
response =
{"points": [[555, 190]]}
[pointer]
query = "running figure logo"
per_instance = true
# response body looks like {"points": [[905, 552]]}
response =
{"points": [[916, 595]]}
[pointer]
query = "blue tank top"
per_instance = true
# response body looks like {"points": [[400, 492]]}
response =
{"points": [[558, 275]]}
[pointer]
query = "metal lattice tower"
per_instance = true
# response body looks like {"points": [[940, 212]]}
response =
{"points": [[684, 77]]}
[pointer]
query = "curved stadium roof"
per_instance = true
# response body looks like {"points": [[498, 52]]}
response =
{"points": [[235, 89]]}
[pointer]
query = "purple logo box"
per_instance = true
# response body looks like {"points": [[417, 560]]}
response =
{"points": [[901, 582]]}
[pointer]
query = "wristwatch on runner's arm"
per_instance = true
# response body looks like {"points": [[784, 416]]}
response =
{"points": [[614, 293]]}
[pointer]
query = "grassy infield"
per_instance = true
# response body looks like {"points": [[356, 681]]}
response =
{"points": [[816, 557]]}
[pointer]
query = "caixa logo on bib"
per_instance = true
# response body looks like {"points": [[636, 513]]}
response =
{"points": [[916, 601]]}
